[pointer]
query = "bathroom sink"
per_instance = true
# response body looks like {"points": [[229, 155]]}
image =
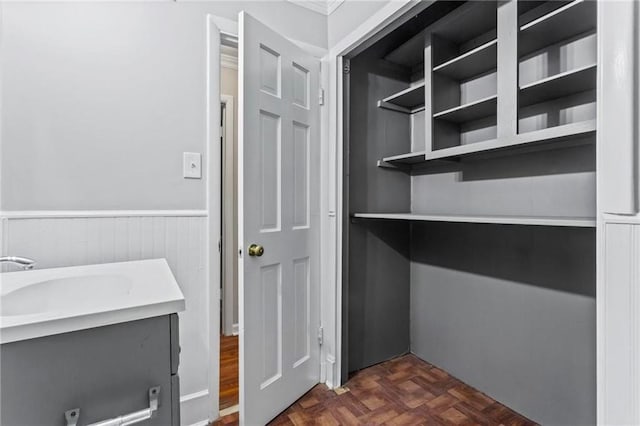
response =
{"points": [[56, 295], [45, 302]]}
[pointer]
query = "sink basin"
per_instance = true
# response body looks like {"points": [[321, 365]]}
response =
{"points": [[44, 302], [60, 294]]}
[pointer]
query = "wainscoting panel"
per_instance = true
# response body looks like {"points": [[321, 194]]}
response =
{"points": [[620, 333], [59, 241]]}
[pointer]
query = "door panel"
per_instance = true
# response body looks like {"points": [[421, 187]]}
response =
{"points": [[279, 202]]}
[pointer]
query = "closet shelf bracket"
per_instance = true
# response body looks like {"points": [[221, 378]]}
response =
{"points": [[387, 165]]}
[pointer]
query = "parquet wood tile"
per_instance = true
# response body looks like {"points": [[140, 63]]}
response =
{"points": [[403, 391], [228, 371]]}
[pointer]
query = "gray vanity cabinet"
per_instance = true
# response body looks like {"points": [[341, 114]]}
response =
{"points": [[104, 372]]}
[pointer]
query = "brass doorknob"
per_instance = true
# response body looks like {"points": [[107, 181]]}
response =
{"points": [[256, 250]]}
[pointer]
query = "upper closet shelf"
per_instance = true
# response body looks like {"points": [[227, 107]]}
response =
{"points": [[552, 137], [469, 22], [558, 86], [472, 63], [408, 100], [573, 19], [576, 222], [471, 111], [409, 54]]}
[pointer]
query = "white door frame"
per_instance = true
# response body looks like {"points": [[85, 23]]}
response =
{"points": [[213, 231], [332, 208]]}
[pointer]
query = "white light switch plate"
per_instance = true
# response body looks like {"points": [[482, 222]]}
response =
{"points": [[192, 165]]}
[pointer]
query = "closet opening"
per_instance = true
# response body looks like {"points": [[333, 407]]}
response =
{"points": [[469, 201]]}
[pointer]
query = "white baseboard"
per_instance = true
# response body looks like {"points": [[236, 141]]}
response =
{"points": [[194, 408], [235, 329], [231, 410], [330, 372]]}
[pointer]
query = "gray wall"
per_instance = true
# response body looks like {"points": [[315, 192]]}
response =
{"points": [[100, 100], [511, 311], [548, 183], [377, 289]]}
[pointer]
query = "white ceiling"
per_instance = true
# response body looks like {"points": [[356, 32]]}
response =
{"points": [[326, 7]]}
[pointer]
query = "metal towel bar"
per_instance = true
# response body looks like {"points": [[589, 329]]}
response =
{"points": [[72, 416]]}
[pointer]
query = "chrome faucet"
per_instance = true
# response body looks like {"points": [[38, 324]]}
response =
{"points": [[23, 262]]}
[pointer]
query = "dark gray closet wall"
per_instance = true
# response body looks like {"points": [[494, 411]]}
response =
{"points": [[555, 183], [510, 310], [378, 252]]}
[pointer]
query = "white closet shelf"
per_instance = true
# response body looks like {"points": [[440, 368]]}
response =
{"points": [[568, 21], [402, 159], [482, 108], [472, 63], [558, 86], [576, 222], [552, 137], [408, 100]]}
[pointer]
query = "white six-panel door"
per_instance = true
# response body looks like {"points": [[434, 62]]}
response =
{"points": [[279, 203]]}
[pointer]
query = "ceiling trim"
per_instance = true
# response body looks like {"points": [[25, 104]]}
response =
{"points": [[228, 61], [325, 7]]}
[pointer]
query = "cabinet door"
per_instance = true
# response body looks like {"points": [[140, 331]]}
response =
{"points": [[105, 372]]}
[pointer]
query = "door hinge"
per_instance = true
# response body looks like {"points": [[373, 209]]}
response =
{"points": [[321, 97], [320, 336], [219, 245], [346, 66]]}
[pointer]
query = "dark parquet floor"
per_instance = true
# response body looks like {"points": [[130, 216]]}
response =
{"points": [[228, 371], [402, 391]]}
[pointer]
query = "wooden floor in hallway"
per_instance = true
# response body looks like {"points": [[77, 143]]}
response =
{"points": [[228, 371], [402, 391]]}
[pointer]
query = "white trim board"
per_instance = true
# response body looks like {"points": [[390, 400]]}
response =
{"points": [[68, 214], [616, 218], [213, 263], [193, 408]]}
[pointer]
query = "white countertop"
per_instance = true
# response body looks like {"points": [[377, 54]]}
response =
{"points": [[60, 300]]}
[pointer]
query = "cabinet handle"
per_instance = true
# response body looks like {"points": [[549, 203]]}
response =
{"points": [[72, 416]]}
